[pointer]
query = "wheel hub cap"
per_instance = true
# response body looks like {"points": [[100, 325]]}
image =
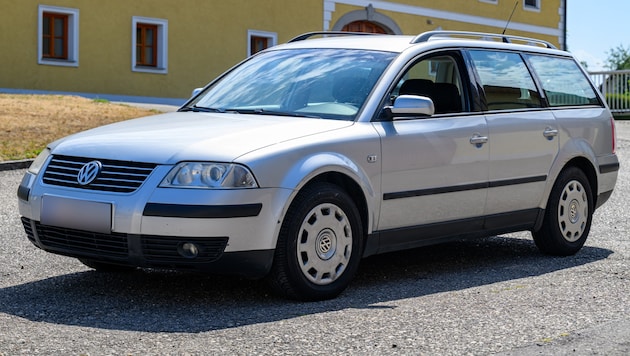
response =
{"points": [[573, 211], [574, 214], [326, 244]]}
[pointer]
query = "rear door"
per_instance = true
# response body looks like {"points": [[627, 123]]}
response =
{"points": [[523, 137]]}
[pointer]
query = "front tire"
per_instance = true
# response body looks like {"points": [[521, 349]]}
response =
{"points": [[568, 216], [319, 246]]}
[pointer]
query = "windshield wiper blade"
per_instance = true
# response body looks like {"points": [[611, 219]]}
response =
{"points": [[196, 108], [271, 112]]}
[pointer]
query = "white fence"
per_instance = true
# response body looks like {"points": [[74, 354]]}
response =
{"points": [[615, 85]]}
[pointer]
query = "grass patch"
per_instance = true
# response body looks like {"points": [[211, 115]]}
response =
{"points": [[29, 122]]}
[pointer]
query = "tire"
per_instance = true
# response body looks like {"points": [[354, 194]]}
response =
{"points": [[105, 267], [568, 216], [319, 246]]}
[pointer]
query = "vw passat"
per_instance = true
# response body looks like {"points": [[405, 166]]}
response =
{"points": [[307, 157]]}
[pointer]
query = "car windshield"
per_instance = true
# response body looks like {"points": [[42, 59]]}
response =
{"points": [[321, 83]]}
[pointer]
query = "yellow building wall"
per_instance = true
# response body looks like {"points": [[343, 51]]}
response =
{"points": [[410, 24], [205, 37]]}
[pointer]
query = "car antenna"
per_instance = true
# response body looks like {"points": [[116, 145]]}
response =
{"points": [[510, 18]]}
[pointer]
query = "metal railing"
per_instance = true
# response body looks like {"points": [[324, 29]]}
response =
{"points": [[615, 85]]}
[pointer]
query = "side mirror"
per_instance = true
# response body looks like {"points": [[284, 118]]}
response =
{"points": [[411, 105], [196, 91]]}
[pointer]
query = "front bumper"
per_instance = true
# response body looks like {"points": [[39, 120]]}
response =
{"points": [[234, 231], [148, 251]]}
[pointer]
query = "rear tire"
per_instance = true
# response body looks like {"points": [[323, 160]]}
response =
{"points": [[319, 246], [568, 216]]}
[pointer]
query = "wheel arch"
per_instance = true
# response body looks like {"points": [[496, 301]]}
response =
{"points": [[353, 189], [587, 167], [582, 163]]}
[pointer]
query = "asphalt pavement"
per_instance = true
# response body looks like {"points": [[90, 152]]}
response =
{"points": [[496, 295]]}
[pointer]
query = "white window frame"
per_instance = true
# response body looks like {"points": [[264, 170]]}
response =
{"points": [[273, 36], [162, 38], [73, 36], [535, 8]]}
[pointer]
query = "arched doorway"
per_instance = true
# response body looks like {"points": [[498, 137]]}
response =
{"points": [[363, 26], [367, 20]]}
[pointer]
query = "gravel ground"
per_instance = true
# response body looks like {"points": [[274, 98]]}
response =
{"points": [[496, 295]]}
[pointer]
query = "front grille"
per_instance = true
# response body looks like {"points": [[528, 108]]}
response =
{"points": [[84, 243], [115, 176], [164, 249]]}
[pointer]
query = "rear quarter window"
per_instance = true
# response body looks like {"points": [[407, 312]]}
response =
{"points": [[563, 81]]}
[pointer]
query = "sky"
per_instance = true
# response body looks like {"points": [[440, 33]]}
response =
{"points": [[596, 27]]}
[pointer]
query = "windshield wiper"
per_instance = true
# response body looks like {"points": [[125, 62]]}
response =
{"points": [[196, 108], [271, 112]]}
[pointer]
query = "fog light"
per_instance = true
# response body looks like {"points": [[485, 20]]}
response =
{"points": [[188, 250]]}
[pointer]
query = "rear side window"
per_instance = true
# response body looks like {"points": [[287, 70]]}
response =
{"points": [[506, 81], [563, 81]]}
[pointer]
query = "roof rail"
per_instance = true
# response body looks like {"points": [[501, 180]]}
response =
{"points": [[424, 37], [308, 35]]}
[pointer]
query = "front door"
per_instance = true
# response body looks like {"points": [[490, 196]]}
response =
{"points": [[434, 169]]}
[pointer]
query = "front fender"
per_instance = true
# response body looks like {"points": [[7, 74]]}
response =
{"points": [[310, 167]]}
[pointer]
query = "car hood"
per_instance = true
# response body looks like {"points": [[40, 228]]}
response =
{"points": [[189, 136]]}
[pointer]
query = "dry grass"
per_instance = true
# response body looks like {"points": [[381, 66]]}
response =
{"points": [[29, 122]]}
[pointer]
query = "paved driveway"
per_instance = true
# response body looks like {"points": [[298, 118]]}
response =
{"points": [[478, 297]]}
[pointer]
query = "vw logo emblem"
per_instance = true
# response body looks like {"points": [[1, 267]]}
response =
{"points": [[89, 172]]}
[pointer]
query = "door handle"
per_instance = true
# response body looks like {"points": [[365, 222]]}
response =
{"points": [[478, 140], [550, 133]]}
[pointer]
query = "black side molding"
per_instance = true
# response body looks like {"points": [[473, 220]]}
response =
{"points": [[607, 168]]}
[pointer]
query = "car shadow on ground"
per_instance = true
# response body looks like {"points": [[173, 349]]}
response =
{"points": [[159, 301]]}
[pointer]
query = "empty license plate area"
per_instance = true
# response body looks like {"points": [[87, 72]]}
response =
{"points": [[76, 214]]}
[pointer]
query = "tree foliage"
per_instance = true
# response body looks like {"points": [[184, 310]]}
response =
{"points": [[618, 58]]}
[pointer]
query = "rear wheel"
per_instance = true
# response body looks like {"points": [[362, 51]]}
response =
{"points": [[319, 246], [568, 216]]}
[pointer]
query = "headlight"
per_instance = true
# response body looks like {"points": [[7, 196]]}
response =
{"points": [[209, 176], [37, 164]]}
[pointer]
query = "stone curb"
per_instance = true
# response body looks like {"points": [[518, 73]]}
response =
{"points": [[11, 165]]}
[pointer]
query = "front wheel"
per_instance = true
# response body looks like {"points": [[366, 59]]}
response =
{"points": [[319, 245], [568, 216]]}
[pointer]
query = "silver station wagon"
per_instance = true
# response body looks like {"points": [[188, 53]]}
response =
{"points": [[305, 158]]}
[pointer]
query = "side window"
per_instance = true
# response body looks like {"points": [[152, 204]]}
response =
{"points": [[506, 81], [563, 81], [437, 78]]}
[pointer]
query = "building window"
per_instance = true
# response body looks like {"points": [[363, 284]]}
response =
{"points": [[149, 45], [531, 5], [146, 45], [58, 38], [260, 40], [55, 36]]}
